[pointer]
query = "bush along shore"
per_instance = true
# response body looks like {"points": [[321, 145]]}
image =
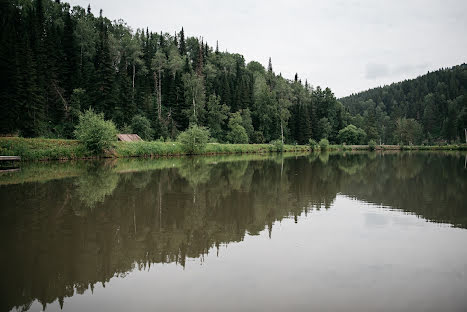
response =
{"points": [[52, 149]]}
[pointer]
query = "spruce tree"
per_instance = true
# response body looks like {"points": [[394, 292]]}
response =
{"points": [[182, 43]]}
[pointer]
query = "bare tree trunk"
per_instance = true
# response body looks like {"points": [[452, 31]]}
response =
{"points": [[282, 133], [155, 85], [159, 108], [194, 104]]}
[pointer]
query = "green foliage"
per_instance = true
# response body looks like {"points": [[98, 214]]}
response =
{"points": [[216, 116], [126, 129], [313, 144], [96, 133], [194, 140], [372, 145], [142, 127], [323, 144], [351, 135], [324, 127], [408, 131], [277, 146], [237, 133]]}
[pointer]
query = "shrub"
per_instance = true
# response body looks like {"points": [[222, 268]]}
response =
{"points": [[96, 133], [372, 145], [142, 127], [351, 135], [277, 146], [313, 144], [194, 140], [237, 133], [323, 144]]}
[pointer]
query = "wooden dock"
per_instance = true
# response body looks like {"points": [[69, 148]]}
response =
{"points": [[10, 158]]}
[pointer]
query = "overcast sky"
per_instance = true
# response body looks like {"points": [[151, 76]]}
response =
{"points": [[346, 45]]}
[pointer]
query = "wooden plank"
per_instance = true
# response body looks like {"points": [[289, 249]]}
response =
{"points": [[10, 158], [9, 170]]}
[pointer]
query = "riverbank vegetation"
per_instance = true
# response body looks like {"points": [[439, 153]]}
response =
{"points": [[53, 149], [59, 61]]}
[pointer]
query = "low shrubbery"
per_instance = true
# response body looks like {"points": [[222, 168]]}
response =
{"points": [[323, 144], [278, 146], [372, 145], [313, 145], [193, 140], [96, 133]]}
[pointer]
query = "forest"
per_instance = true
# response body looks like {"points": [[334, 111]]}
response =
{"points": [[431, 108], [57, 61]]}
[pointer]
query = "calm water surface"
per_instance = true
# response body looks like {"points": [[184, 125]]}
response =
{"points": [[329, 232]]}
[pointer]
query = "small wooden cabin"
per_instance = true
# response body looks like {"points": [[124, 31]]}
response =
{"points": [[128, 137]]}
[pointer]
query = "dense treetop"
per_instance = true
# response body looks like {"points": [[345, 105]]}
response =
{"points": [[57, 61]]}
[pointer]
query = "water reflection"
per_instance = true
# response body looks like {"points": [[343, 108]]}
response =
{"points": [[104, 219]]}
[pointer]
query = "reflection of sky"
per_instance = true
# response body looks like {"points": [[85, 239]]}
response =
{"points": [[353, 255]]}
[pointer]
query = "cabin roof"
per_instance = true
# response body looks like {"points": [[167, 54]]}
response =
{"points": [[128, 137]]}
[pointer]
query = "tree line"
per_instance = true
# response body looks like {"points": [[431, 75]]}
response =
{"points": [[57, 61], [431, 108]]}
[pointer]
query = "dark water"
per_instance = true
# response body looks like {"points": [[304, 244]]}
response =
{"points": [[339, 232]]}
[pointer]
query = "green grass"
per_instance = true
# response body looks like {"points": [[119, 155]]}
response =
{"points": [[53, 149], [42, 149]]}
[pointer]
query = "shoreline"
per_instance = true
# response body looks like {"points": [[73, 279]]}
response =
{"points": [[39, 149]]}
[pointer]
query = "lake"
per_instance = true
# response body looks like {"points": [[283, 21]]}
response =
{"points": [[314, 232]]}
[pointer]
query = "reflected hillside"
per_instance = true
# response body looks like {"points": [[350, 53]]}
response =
{"points": [[64, 236], [430, 185]]}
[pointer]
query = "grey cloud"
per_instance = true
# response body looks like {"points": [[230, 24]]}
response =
{"points": [[374, 71]]}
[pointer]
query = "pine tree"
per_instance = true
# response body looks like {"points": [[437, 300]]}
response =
{"points": [[182, 43]]}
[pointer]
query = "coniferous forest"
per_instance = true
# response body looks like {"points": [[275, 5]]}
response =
{"points": [[57, 61]]}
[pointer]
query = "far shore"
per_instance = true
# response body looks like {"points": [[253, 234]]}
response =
{"points": [[39, 149]]}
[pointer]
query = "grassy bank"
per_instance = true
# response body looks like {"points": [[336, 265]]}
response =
{"points": [[51, 149]]}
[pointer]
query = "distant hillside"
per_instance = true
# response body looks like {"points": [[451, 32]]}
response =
{"points": [[437, 101]]}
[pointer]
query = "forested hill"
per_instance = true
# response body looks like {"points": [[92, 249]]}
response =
{"points": [[435, 103], [57, 61]]}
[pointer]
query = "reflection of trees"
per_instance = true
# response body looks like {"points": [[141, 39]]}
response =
{"points": [[169, 215], [99, 182], [195, 170]]}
